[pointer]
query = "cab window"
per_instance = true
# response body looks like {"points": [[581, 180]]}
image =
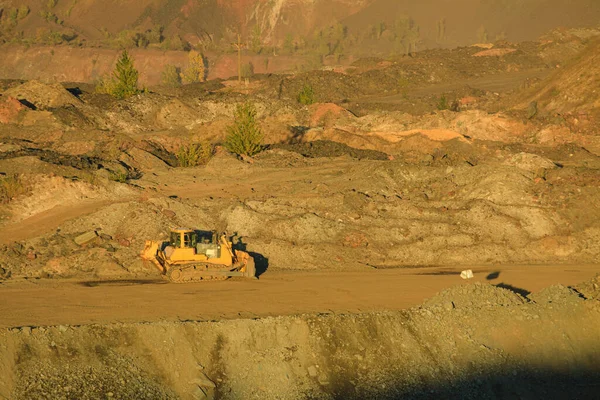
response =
{"points": [[187, 242], [175, 239]]}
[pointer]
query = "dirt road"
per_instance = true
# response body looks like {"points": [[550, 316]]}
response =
{"points": [[47, 302]]}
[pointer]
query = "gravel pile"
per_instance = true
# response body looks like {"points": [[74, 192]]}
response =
{"points": [[475, 296], [116, 378], [557, 294]]}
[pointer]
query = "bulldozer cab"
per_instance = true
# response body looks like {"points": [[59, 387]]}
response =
{"points": [[183, 239], [205, 243]]}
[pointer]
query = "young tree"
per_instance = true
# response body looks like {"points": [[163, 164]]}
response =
{"points": [[288, 44], [482, 34], [247, 70], [125, 77], [441, 30], [244, 136], [256, 40], [307, 95], [171, 76], [196, 70]]}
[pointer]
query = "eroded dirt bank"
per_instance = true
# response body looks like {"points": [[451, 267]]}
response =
{"points": [[470, 341]]}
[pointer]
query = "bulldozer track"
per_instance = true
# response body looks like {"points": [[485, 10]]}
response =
{"points": [[182, 274], [177, 274]]}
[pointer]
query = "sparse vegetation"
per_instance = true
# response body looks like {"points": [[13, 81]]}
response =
{"points": [[171, 76], [10, 187], [443, 103], [288, 44], [49, 37], [306, 95], [176, 43], [244, 136], [23, 12], [13, 14], [52, 3], [155, 35], [118, 176], [195, 154], [105, 85], [50, 17]]}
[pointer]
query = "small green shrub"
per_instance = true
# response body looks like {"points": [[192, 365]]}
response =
{"points": [[105, 85], [442, 103], [118, 176], [247, 70], [13, 13], [306, 95], [195, 154], [52, 3], [10, 187], [244, 136], [23, 12]]}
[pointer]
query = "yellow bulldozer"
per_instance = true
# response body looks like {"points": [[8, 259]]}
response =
{"points": [[194, 256]]}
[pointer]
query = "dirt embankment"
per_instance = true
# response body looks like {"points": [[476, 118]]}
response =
{"points": [[395, 190], [473, 342], [523, 209], [572, 89]]}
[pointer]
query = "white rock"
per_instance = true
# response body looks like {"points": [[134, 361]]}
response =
{"points": [[466, 274]]}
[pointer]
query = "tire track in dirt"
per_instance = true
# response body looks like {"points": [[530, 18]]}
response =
{"points": [[47, 302]]}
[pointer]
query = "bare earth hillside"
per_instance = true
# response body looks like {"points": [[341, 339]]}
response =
{"points": [[422, 223]]}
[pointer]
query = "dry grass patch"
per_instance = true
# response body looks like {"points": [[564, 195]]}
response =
{"points": [[195, 154], [11, 186]]}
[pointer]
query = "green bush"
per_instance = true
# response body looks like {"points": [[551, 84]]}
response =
{"points": [[306, 95], [23, 12], [105, 85], [195, 154], [171, 76], [13, 13], [247, 70], [176, 43], [118, 176], [244, 136], [124, 81], [10, 187], [442, 103]]}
